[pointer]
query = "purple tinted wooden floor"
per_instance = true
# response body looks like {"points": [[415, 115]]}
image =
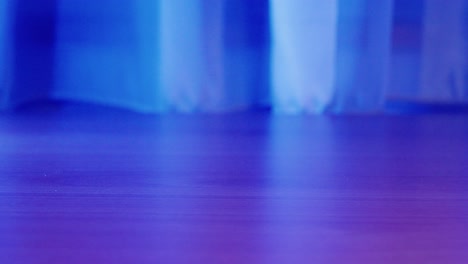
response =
{"points": [[104, 186]]}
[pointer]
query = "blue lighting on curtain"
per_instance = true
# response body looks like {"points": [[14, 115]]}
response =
{"points": [[313, 56]]}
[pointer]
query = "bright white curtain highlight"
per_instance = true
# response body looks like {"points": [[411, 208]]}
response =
{"points": [[304, 45], [330, 54]]}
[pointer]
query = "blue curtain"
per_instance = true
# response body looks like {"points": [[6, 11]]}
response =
{"points": [[315, 56]]}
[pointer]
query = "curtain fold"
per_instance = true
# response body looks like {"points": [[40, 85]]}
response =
{"points": [[314, 56], [4, 51], [444, 65], [362, 55], [304, 50]]}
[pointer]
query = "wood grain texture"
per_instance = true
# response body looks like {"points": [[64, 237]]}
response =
{"points": [[83, 184]]}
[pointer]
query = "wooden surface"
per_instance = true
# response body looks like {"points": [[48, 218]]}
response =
{"points": [[93, 185]]}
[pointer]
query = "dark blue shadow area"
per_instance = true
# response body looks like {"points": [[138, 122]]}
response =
{"points": [[247, 37], [99, 56], [408, 12], [34, 39], [403, 107]]}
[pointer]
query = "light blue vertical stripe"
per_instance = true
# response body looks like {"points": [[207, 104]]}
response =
{"points": [[304, 50]]}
